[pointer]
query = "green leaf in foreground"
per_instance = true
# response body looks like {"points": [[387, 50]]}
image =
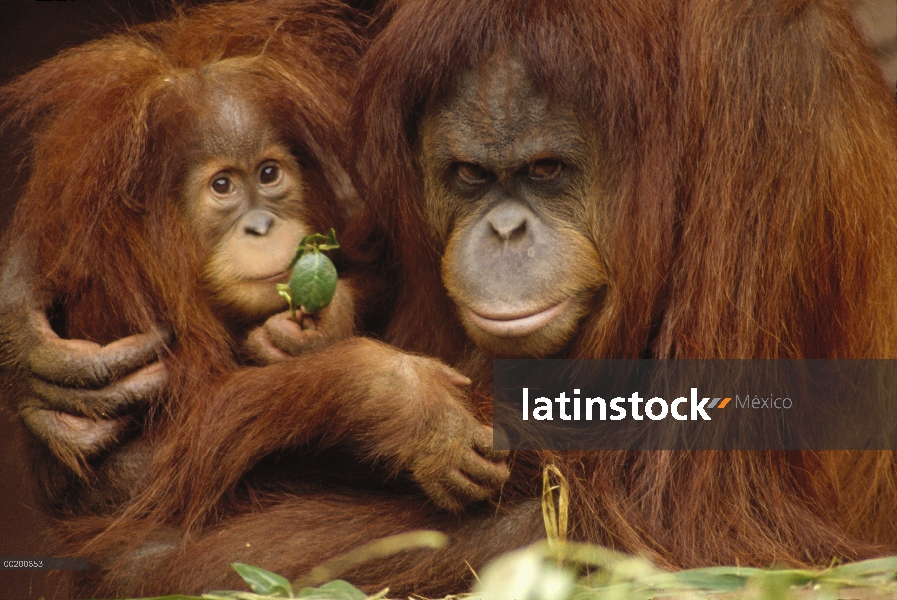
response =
{"points": [[718, 579], [873, 569], [332, 590], [264, 582]]}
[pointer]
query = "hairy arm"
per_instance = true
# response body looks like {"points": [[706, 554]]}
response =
{"points": [[75, 396], [405, 410]]}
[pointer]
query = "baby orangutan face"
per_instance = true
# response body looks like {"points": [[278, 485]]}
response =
{"points": [[243, 194]]}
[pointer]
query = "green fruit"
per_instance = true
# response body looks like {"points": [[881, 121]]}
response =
{"points": [[312, 282]]}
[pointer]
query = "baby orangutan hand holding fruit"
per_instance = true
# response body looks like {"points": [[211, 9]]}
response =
{"points": [[322, 307]]}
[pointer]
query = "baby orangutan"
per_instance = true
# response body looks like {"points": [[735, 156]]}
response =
{"points": [[174, 170]]}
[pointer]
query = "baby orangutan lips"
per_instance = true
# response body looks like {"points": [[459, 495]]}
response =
{"points": [[273, 279], [518, 325]]}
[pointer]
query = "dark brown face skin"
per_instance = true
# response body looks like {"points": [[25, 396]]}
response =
{"points": [[241, 195], [513, 192]]}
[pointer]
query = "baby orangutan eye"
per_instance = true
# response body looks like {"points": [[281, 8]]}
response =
{"points": [[545, 170], [471, 174], [269, 174], [222, 185]]}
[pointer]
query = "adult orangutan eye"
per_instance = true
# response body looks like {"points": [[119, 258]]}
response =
{"points": [[471, 174], [222, 185], [269, 174], [545, 169]]}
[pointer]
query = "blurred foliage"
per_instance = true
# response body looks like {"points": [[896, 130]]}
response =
{"points": [[557, 569]]}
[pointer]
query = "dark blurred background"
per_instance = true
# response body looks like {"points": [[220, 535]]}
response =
{"points": [[34, 30]]}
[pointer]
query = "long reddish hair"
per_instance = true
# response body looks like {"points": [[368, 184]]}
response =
{"points": [[753, 150], [745, 221], [109, 121]]}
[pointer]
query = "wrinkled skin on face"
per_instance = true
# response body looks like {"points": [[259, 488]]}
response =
{"points": [[510, 188]]}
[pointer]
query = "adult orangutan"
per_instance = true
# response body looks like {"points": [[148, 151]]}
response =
{"points": [[617, 179], [642, 179]]}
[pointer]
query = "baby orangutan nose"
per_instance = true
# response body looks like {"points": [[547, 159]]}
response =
{"points": [[258, 223]]}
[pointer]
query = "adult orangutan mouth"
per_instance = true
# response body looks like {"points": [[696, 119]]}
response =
{"points": [[511, 325]]}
